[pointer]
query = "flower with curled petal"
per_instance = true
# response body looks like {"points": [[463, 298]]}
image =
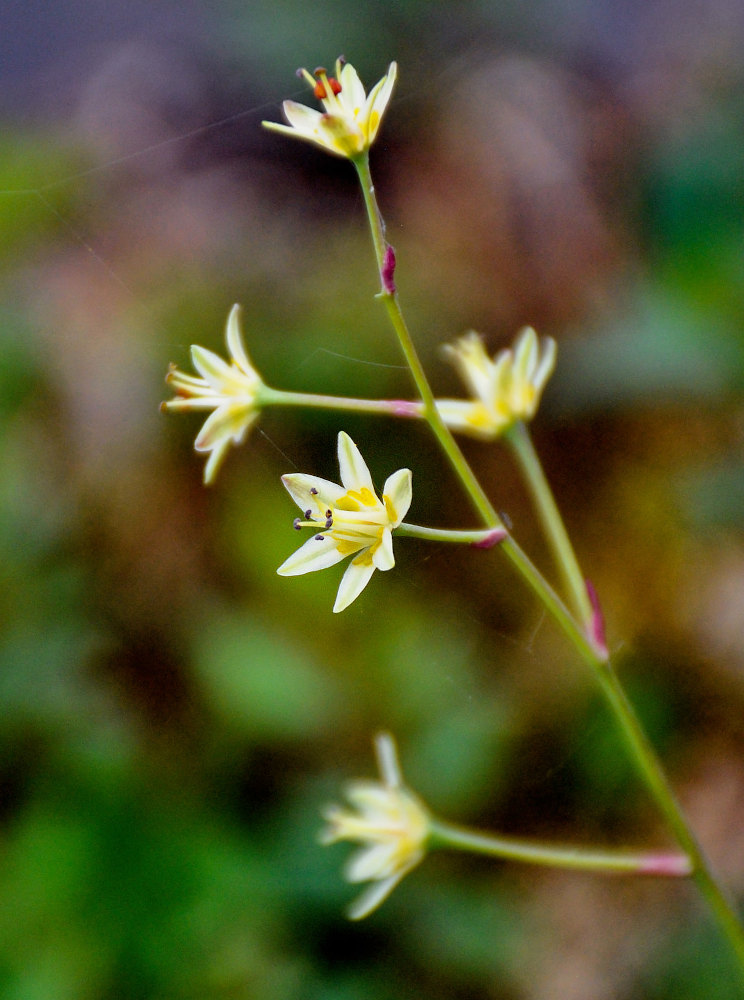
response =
{"points": [[348, 124], [348, 520], [506, 389], [232, 390], [389, 821]]}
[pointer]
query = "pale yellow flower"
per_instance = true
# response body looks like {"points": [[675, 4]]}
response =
{"points": [[348, 124], [231, 389], [505, 390], [348, 520], [388, 820]]}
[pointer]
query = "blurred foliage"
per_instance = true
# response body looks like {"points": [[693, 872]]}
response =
{"points": [[172, 714]]}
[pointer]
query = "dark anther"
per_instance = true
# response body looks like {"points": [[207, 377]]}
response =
{"points": [[329, 522], [308, 515], [341, 60], [319, 69], [319, 538], [299, 73], [296, 523], [329, 512], [313, 491]]}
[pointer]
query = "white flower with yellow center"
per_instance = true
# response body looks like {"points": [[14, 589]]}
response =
{"points": [[348, 124], [506, 389], [347, 520], [388, 820], [231, 389]]}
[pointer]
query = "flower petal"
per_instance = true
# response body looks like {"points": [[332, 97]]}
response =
{"points": [[354, 472], [373, 862], [467, 416], [316, 553], [300, 487], [387, 760], [219, 450], [228, 422], [235, 345], [300, 117], [372, 896], [382, 556], [212, 367], [353, 582], [398, 489]]}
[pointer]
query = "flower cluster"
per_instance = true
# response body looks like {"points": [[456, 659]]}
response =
{"points": [[506, 389], [350, 119], [231, 390], [388, 820], [347, 520]]}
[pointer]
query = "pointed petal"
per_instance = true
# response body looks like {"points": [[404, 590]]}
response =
{"points": [[468, 417], [211, 367], [387, 760], [229, 421], [375, 861], [300, 487], [354, 472], [352, 94], [546, 365], [382, 557], [525, 354], [235, 344], [214, 461], [378, 101], [300, 117], [314, 555], [399, 489], [372, 896], [353, 582]]}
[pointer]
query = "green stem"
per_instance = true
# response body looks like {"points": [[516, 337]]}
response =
{"points": [[633, 735], [518, 438], [656, 781], [384, 407], [448, 835], [484, 539]]}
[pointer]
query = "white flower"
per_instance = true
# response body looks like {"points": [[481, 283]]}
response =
{"points": [[505, 390], [232, 390], [388, 820], [349, 122], [347, 520]]}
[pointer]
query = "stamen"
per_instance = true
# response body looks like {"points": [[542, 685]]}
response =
{"points": [[308, 514], [313, 491], [329, 512], [319, 538], [297, 523], [329, 522]]}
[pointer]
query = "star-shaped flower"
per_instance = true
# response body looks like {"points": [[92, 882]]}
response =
{"points": [[347, 520], [505, 390], [349, 122], [232, 390], [391, 824]]}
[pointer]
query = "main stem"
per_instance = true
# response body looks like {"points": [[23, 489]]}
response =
{"points": [[633, 734]]}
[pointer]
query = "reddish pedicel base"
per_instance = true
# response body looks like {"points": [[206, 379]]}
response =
{"points": [[387, 273], [405, 408], [667, 864], [597, 625], [496, 536]]}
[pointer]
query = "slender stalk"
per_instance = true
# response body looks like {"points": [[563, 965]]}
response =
{"points": [[449, 835], [633, 735], [482, 539], [518, 438], [384, 407]]}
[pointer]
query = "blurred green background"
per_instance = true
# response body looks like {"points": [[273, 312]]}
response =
{"points": [[172, 714]]}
